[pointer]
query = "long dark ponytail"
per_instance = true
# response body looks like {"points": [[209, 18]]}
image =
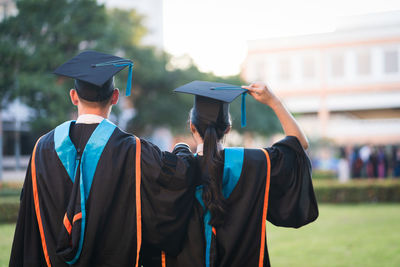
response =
{"points": [[212, 133]]}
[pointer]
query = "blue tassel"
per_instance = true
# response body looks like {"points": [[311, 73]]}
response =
{"points": [[120, 63], [243, 107], [129, 82]]}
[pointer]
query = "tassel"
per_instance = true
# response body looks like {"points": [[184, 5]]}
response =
{"points": [[243, 110], [120, 63], [129, 82], [243, 105]]}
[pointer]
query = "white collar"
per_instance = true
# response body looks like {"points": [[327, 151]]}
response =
{"points": [[199, 150], [89, 119]]}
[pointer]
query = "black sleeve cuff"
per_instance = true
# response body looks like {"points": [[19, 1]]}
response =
{"points": [[182, 149]]}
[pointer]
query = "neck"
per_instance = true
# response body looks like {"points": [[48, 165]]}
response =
{"points": [[105, 113], [197, 138], [200, 148]]}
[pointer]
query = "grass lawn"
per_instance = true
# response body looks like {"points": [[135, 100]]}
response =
{"points": [[343, 235], [6, 238]]}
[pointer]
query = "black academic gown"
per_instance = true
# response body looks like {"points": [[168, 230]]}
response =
{"points": [[290, 202], [116, 219]]}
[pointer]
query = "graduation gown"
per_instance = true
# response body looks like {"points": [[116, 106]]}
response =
{"points": [[259, 184], [93, 194]]}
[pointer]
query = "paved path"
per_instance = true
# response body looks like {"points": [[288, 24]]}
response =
{"points": [[13, 175], [10, 174]]}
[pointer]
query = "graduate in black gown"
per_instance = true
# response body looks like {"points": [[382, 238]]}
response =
{"points": [[239, 189], [94, 194]]}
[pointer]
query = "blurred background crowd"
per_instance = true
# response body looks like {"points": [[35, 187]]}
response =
{"points": [[366, 161]]}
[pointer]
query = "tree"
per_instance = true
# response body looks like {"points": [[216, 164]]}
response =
{"points": [[46, 33], [154, 81], [157, 105], [43, 35]]}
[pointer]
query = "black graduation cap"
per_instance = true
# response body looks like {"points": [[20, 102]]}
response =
{"points": [[212, 99], [94, 74]]}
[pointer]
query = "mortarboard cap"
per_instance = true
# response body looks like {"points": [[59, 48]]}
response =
{"points": [[212, 99], [94, 72]]}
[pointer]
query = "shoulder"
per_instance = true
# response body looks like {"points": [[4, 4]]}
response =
{"points": [[120, 138], [284, 149], [147, 146], [256, 156], [130, 139], [289, 142], [250, 156], [122, 134], [46, 141], [287, 147], [150, 154]]}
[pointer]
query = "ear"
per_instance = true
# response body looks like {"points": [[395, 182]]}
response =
{"points": [[115, 96], [192, 128], [74, 97], [228, 130]]}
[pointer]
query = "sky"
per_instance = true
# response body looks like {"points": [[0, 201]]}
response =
{"points": [[215, 32]]}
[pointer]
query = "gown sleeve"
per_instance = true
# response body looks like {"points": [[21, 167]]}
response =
{"points": [[27, 247], [167, 196], [292, 201]]}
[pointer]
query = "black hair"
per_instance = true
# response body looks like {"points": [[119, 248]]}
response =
{"points": [[93, 93], [212, 133]]}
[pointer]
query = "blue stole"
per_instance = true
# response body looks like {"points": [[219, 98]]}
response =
{"points": [[233, 164], [90, 157]]}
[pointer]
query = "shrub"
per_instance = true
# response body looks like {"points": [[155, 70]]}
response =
{"points": [[9, 210], [9, 201], [326, 190], [357, 191], [323, 174]]}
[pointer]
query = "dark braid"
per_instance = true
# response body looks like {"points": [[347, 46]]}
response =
{"points": [[212, 133]]}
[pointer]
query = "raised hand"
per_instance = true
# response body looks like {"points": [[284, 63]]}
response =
{"points": [[261, 93]]}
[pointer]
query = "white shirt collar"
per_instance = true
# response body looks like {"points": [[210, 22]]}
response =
{"points": [[199, 150], [89, 119]]}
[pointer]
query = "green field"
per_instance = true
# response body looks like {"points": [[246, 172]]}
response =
{"points": [[343, 235], [6, 237]]}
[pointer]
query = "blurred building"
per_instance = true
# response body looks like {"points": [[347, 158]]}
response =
{"points": [[152, 10], [14, 129], [343, 85], [7, 8]]}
